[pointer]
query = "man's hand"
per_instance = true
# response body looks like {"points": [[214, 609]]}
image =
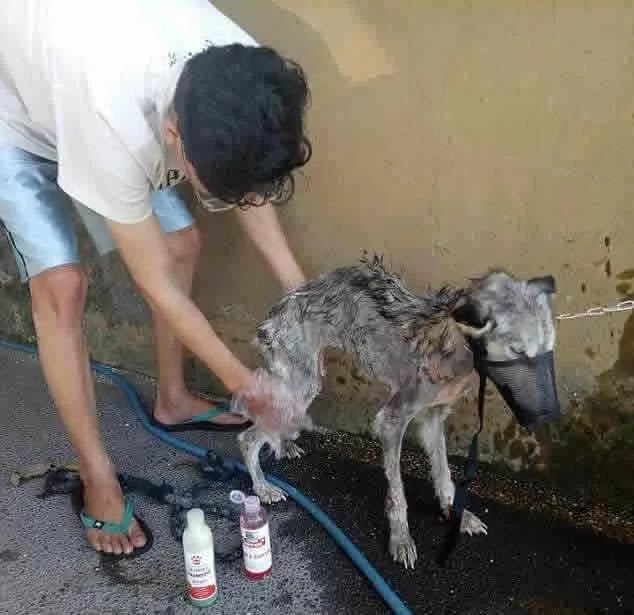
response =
{"points": [[271, 404]]}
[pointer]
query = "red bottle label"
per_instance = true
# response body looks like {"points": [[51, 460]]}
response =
{"points": [[256, 547], [201, 575]]}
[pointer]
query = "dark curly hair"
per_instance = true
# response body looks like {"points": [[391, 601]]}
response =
{"points": [[240, 113]]}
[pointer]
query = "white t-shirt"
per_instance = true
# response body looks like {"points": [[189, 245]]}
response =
{"points": [[86, 83]]}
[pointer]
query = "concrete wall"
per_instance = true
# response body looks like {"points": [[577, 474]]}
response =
{"points": [[450, 139]]}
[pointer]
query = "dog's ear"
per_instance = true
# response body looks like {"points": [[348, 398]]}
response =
{"points": [[543, 284]]}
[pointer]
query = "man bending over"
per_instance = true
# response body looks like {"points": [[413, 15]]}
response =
{"points": [[104, 106]]}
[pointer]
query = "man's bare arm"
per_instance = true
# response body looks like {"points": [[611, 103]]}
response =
{"points": [[145, 252], [262, 226]]}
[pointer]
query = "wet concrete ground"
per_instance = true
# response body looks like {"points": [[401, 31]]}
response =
{"points": [[527, 563]]}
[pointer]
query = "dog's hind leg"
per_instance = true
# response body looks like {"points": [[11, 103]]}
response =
{"points": [[431, 434], [390, 425], [251, 442]]}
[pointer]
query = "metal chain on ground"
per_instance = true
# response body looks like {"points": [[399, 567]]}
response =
{"points": [[622, 306]]}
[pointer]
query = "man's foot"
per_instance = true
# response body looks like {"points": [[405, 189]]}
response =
{"points": [[103, 499], [186, 407]]}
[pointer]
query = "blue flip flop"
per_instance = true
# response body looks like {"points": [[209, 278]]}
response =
{"points": [[122, 527], [203, 421]]}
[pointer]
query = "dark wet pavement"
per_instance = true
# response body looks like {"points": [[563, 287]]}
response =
{"points": [[526, 564]]}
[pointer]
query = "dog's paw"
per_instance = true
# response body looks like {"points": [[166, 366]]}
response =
{"points": [[472, 525], [268, 493], [290, 450], [403, 551]]}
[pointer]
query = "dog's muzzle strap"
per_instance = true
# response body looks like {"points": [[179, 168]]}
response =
{"points": [[462, 489]]}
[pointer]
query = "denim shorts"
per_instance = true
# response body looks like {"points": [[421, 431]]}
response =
{"points": [[36, 214]]}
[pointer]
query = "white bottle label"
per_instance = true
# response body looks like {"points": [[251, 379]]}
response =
{"points": [[256, 546], [201, 574]]}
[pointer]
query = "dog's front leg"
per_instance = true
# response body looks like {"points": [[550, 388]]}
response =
{"points": [[250, 442], [390, 425], [431, 435]]}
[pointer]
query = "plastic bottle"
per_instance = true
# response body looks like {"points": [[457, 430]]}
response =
{"points": [[256, 542], [236, 503], [200, 565]]}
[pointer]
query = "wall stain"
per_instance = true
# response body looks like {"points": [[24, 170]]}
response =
{"points": [[597, 439], [625, 360], [498, 442], [626, 274], [625, 290]]}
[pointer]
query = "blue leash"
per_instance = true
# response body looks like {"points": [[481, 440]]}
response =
{"points": [[389, 596], [462, 489]]}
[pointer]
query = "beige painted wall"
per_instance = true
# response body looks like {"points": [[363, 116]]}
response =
{"points": [[454, 139]]}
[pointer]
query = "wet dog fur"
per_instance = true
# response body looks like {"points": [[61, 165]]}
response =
{"points": [[416, 345]]}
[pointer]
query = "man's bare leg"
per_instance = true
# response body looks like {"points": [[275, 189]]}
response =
{"points": [[58, 300], [174, 403]]}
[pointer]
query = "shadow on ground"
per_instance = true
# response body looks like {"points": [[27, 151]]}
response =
{"points": [[525, 564]]}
